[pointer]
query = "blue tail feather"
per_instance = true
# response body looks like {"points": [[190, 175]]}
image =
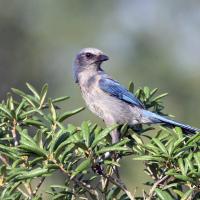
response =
{"points": [[161, 119]]}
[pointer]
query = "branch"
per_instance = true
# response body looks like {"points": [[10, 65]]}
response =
{"points": [[155, 186], [14, 132], [88, 188], [28, 188], [4, 160], [38, 186], [26, 195], [120, 185]]}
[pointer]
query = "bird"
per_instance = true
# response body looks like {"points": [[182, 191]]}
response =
{"points": [[110, 100]]}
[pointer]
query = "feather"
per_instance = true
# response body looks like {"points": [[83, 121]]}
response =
{"points": [[115, 89]]}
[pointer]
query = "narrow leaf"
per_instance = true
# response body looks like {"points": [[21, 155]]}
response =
{"points": [[60, 99], [160, 96], [83, 166], [102, 135], [131, 87], [187, 195], [52, 111], [160, 145], [86, 133], [69, 114], [43, 94], [5, 110], [33, 90], [111, 148]]}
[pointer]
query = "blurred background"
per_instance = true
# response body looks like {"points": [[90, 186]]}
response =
{"points": [[154, 43]]}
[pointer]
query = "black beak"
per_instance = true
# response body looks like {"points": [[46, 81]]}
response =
{"points": [[102, 58]]}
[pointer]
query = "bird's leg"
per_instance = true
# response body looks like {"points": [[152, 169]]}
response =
{"points": [[115, 134]]}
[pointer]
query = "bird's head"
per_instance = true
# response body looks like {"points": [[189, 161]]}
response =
{"points": [[88, 58]]}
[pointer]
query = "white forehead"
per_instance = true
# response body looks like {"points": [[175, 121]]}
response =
{"points": [[91, 50]]}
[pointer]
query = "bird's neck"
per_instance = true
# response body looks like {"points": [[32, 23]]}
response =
{"points": [[87, 75]]}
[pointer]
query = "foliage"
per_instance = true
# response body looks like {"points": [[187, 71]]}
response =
{"points": [[36, 141]]}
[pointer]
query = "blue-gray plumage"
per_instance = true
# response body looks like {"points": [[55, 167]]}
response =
{"points": [[108, 99]]}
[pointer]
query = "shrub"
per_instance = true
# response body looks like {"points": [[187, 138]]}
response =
{"points": [[35, 142]]}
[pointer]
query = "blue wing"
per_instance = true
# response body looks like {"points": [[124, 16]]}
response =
{"points": [[115, 89]]}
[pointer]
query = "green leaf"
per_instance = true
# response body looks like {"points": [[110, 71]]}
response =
{"points": [[43, 94], [69, 114], [190, 165], [152, 158], [182, 177], [5, 110], [18, 92], [86, 133], [81, 145], [146, 92], [52, 111], [136, 137], [160, 96], [81, 167], [178, 192], [36, 161], [31, 112], [179, 132], [124, 129], [163, 195], [14, 186], [38, 138], [33, 149], [66, 145], [131, 87], [160, 145], [59, 196], [32, 174], [102, 135], [33, 90], [28, 98], [60, 99], [11, 103], [24, 134], [59, 138], [112, 194], [59, 186], [111, 148], [34, 123], [67, 150], [122, 142], [170, 148], [152, 149], [197, 159], [170, 186], [187, 195], [181, 166], [20, 106], [153, 92]]}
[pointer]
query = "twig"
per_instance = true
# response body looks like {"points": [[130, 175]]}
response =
{"points": [[4, 160], [88, 188], [120, 185], [106, 182], [28, 188], [38, 186], [155, 186], [26, 195], [14, 132]]}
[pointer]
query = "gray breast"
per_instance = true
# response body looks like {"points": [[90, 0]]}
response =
{"points": [[104, 105]]}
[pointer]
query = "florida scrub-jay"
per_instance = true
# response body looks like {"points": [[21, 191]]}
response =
{"points": [[108, 99]]}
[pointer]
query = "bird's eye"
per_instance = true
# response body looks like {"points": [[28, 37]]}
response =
{"points": [[89, 55]]}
